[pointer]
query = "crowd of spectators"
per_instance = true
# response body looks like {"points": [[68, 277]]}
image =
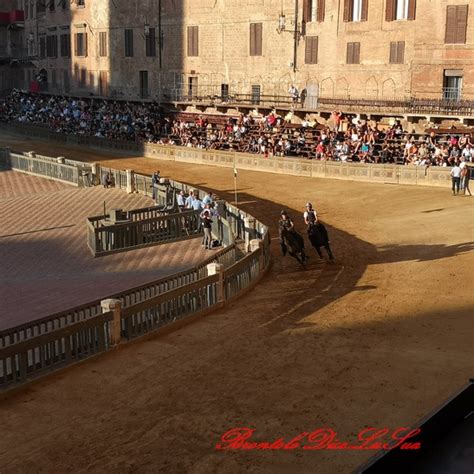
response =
{"points": [[271, 135]]}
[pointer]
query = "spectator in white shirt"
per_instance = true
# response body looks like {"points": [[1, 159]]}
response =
{"points": [[456, 178]]}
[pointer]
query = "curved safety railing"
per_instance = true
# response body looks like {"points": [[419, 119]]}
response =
{"points": [[35, 348]]}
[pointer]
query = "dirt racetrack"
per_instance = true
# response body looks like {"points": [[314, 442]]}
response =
{"points": [[379, 338]]}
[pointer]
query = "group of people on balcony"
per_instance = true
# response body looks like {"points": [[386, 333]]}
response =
{"points": [[343, 139]]}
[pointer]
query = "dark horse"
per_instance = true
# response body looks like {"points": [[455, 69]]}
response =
{"points": [[318, 236], [293, 243]]}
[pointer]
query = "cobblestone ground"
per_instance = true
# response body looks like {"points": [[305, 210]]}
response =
{"points": [[46, 266]]}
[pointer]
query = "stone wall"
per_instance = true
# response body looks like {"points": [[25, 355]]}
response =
{"points": [[223, 56]]}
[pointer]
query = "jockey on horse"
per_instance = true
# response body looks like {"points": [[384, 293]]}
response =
{"points": [[290, 240], [317, 233]]}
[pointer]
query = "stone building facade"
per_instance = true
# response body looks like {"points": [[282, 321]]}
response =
{"points": [[175, 49]]}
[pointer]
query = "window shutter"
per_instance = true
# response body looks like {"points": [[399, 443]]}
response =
{"points": [[364, 10], [348, 10], [84, 36], [311, 50], [390, 10], [401, 52], [152, 41], [321, 10], [356, 53], [76, 44], [411, 9], [307, 51], [350, 53], [451, 24], [461, 23], [307, 10], [393, 52], [129, 43], [190, 41], [252, 39], [196, 41], [258, 39]]}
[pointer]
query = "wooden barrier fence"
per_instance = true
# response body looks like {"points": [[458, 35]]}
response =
{"points": [[380, 173], [35, 348]]}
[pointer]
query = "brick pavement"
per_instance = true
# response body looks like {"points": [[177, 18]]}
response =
{"points": [[46, 266]]}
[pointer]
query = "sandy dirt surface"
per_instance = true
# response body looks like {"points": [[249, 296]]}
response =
{"points": [[379, 338]]}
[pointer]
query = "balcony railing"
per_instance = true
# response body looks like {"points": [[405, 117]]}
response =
{"points": [[449, 102]]}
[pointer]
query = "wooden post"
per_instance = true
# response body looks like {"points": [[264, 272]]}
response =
{"points": [[130, 181], [256, 244], [249, 223], [114, 305], [218, 269]]}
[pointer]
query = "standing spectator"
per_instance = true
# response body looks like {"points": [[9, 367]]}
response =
{"points": [[337, 119], [196, 204], [206, 224], [107, 181], [456, 178], [466, 177], [155, 180], [180, 200], [208, 198], [189, 200], [294, 94]]}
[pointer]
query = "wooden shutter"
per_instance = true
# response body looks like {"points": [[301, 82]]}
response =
{"points": [[364, 10], [356, 53], [307, 10], [401, 52], [196, 41], [350, 53], [321, 10], [411, 9], [252, 39], [390, 10], [307, 51], [84, 44], [76, 44], [102, 44], [461, 23], [348, 6], [255, 39], [68, 45], [397, 52], [190, 40], [452, 24], [258, 44], [311, 50], [193, 41], [151, 43], [129, 43], [393, 52]]}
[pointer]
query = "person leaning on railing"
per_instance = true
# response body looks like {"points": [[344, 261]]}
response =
{"points": [[206, 225], [107, 180]]}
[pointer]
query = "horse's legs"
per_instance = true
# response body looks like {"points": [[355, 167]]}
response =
{"points": [[318, 249], [294, 254], [328, 250]]}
